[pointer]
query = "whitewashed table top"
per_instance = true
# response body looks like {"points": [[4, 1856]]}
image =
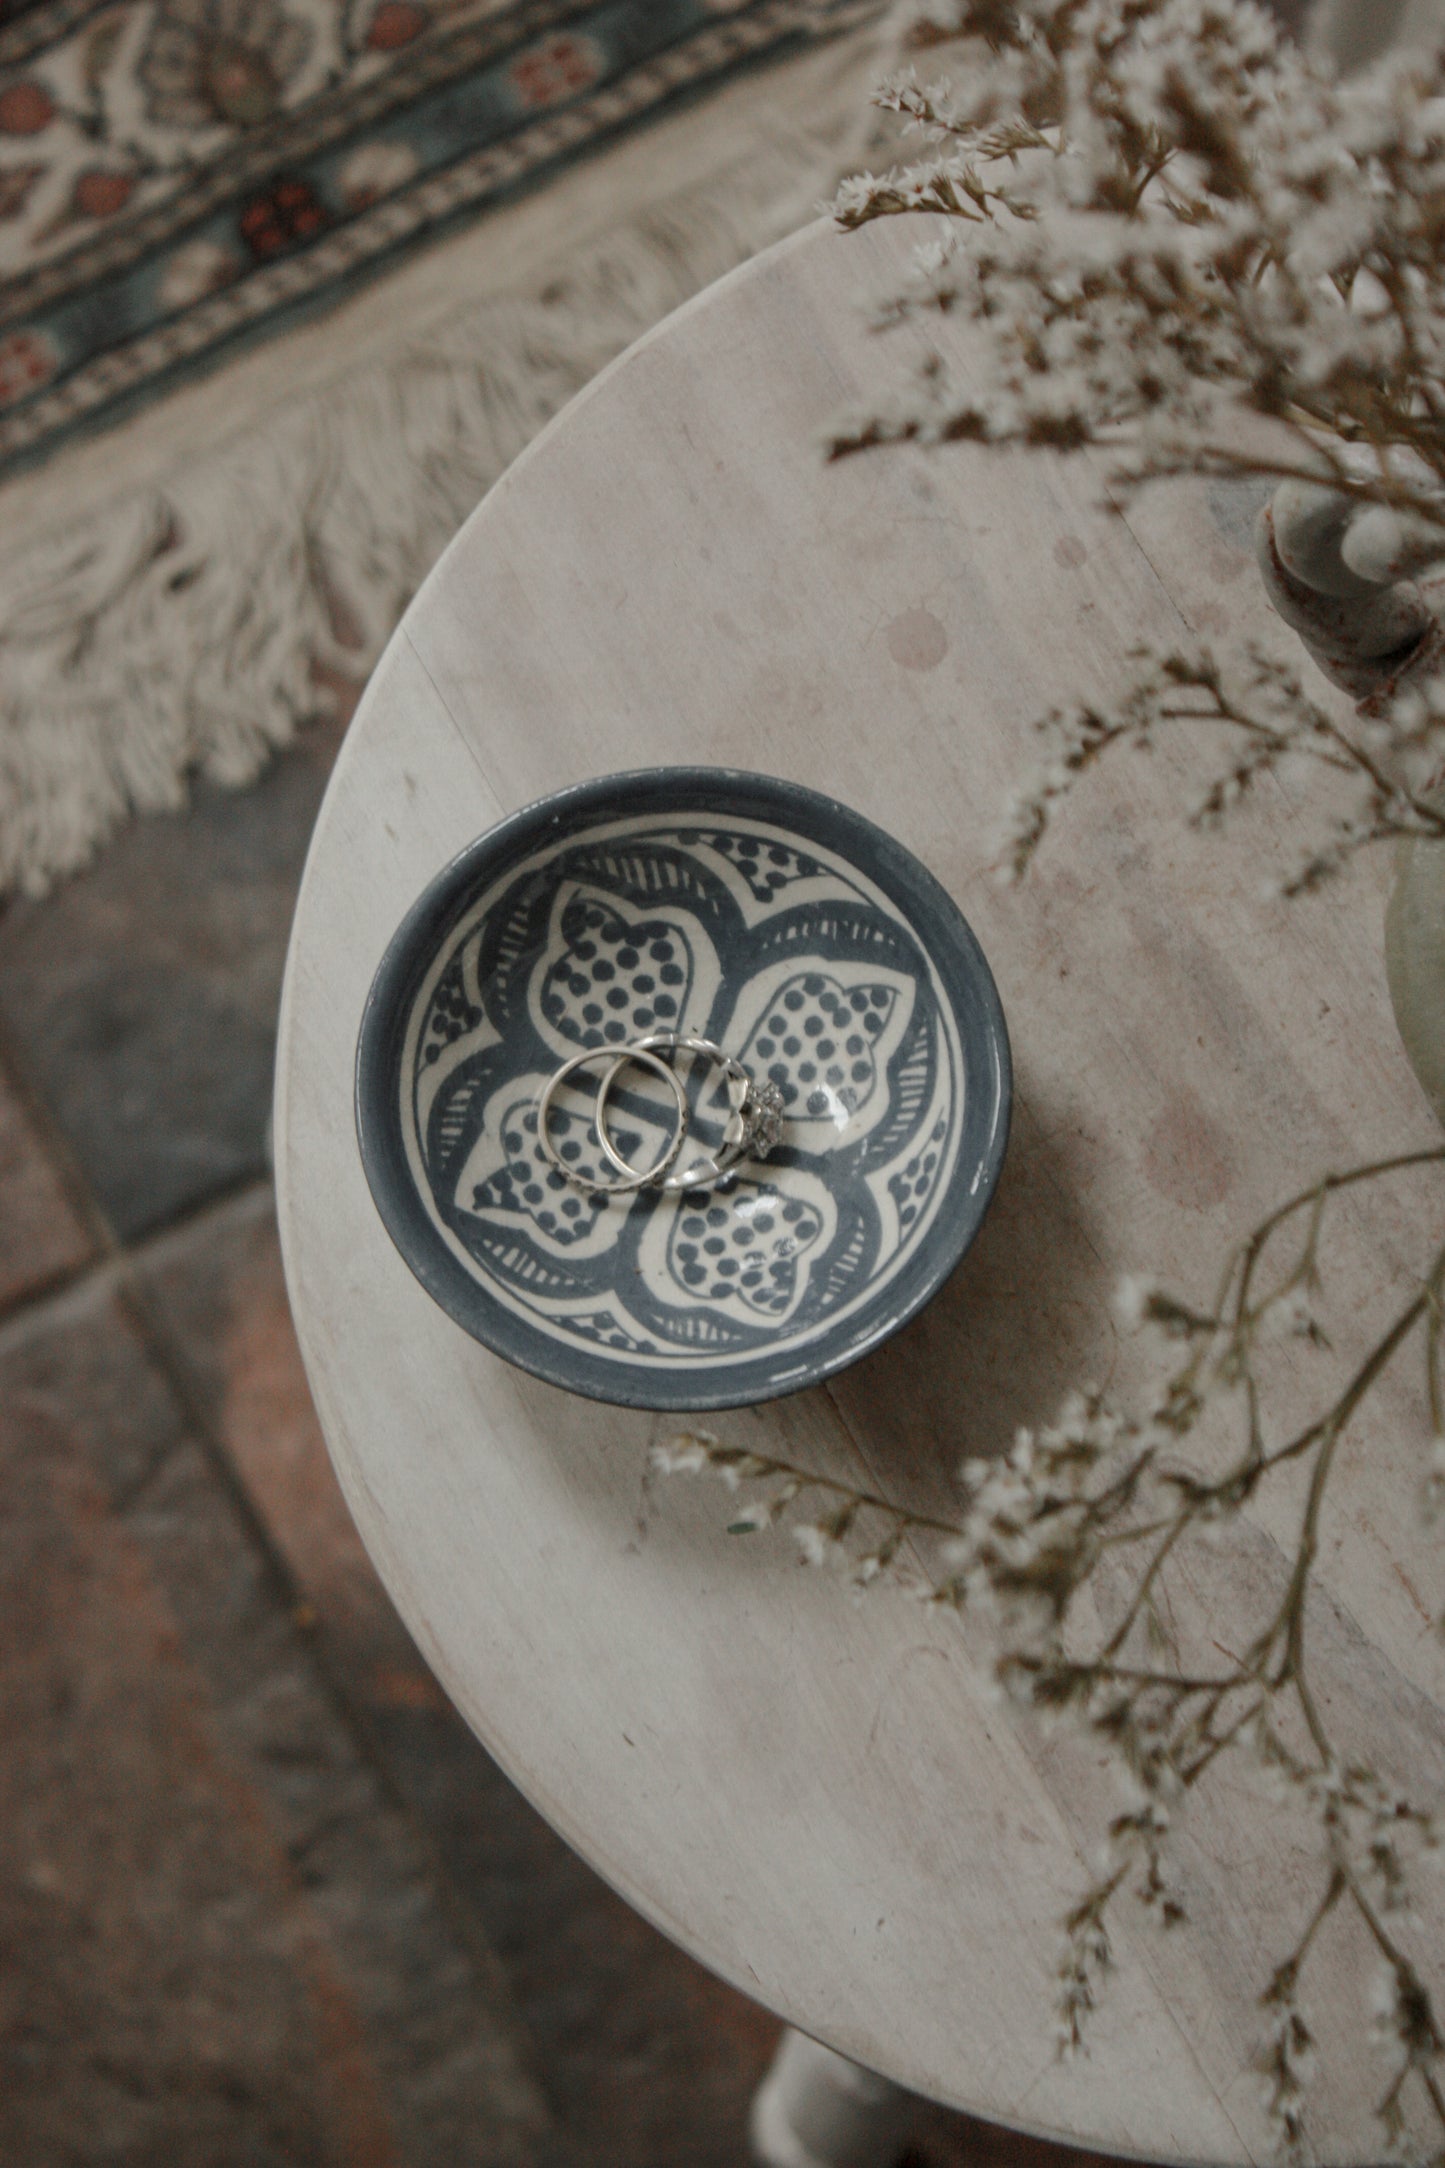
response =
{"points": [[820, 1799]]}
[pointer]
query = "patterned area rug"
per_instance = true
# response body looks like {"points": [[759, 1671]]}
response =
{"points": [[180, 593], [177, 176]]}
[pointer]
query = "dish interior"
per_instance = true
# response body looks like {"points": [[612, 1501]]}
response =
{"points": [[780, 951]]}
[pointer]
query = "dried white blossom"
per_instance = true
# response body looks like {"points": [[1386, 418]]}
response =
{"points": [[1404, 2027], [687, 1455], [1147, 218], [1086, 1958], [1287, 2059], [1031, 1528], [815, 1545], [1143, 1303]]}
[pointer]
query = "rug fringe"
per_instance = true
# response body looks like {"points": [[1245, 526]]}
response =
{"points": [[178, 632]]}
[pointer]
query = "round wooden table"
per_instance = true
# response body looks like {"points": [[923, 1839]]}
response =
{"points": [[821, 1799]]}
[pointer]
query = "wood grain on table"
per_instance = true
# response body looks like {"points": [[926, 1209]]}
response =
{"points": [[822, 1800]]}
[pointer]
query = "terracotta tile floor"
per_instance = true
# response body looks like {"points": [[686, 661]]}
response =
{"points": [[263, 1898]]}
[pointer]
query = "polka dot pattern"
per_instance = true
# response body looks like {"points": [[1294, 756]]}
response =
{"points": [[816, 1041], [617, 977], [766, 865], [450, 1014], [763, 942], [603, 1328], [909, 1188], [744, 1252]]}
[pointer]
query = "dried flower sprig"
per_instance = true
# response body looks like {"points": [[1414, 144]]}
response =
{"points": [[1192, 204], [1032, 1530], [1197, 223], [1154, 225], [774, 1488], [1268, 721]]}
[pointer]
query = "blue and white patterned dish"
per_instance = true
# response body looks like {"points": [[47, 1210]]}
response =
{"points": [[759, 915]]}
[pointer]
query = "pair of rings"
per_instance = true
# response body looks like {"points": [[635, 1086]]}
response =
{"points": [[754, 1123]]}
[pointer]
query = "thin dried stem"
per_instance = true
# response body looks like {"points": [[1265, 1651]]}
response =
{"points": [[1027, 1539]]}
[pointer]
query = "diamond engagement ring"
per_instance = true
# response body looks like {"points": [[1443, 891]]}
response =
{"points": [[755, 1112]]}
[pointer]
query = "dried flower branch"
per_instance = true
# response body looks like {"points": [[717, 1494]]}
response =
{"points": [[1267, 720], [1151, 221], [1030, 1535], [1198, 223], [1192, 204]]}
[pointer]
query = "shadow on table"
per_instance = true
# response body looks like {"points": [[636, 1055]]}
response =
{"points": [[1024, 1318]]}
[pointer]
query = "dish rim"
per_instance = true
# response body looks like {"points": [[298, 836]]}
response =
{"points": [[939, 927]]}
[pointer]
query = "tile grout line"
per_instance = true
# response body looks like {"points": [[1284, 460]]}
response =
{"points": [[492, 1984], [110, 1255], [117, 1262], [113, 1258], [63, 1164], [349, 1711], [304, 1622]]}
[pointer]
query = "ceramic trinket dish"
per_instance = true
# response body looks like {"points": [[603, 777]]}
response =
{"points": [[760, 917]]}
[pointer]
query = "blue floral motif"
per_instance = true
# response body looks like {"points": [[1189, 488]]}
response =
{"points": [[608, 975], [779, 953]]}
